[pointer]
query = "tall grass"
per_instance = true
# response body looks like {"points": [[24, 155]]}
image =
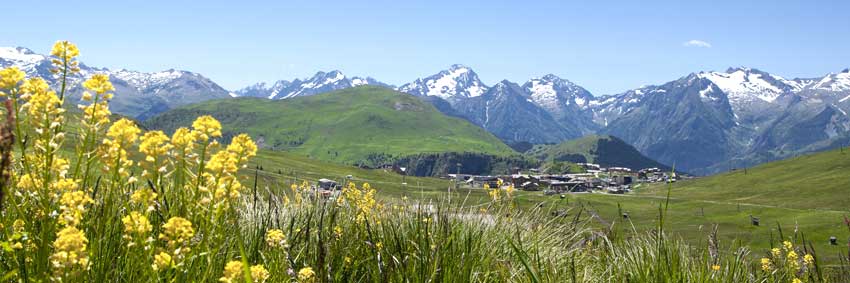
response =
{"points": [[115, 207]]}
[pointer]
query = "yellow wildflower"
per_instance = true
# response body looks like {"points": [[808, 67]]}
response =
{"points": [[223, 162], [64, 185], [155, 146], [27, 183], [124, 132], [162, 261], [306, 274], [34, 85], [494, 194], [243, 147], [787, 245], [766, 265], [275, 238], [18, 226], [69, 251], [177, 231], [65, 50], [232, 272], [136, 224], [796, 280], [791, 256], [73, 205], [183, 138], [338, 231], [120, 136], [715, 267], [99, 83], [41, 104], [775, 252], [10, 77], [144, 197], [96, 114], [259, 273], [206, 127], [808, 259]]}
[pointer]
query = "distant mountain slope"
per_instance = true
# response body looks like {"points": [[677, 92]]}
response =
{"points": [[814, 181], [607, 151], [321, 82], [137, 94], [506, 112], [362, 125]]}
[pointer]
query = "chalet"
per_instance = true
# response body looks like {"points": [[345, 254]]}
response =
{"points": [[558, 186], [480, 181], [529, 186]]}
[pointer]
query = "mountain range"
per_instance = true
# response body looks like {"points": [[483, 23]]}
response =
{"points": [[140, 95], [703, 122]]}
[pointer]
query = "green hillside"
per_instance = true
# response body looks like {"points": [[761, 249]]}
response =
{"points": [[364, 125], [607, 151], [815, 181]]}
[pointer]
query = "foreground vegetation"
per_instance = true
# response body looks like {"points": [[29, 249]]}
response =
{"points": [[133, 206]]}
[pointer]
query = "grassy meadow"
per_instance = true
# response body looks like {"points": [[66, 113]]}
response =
{"points": [[87, 197]]}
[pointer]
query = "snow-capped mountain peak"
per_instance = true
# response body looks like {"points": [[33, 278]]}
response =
{"points": [[20, 55], [318, 83], [746, 84], [834, 82], [458, 81], [552, 93], [145, 80]]}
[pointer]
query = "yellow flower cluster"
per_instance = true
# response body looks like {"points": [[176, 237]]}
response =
{"points": [[144, 198], [162, 261], [64, 50], [183, 139], [120, 136], [100, 84], [155, 146], [69, 251], [73, 205], [233, 271], [64, 185], [206, 127], [223, 166], [275, 238], [306, 274], [136, 226], [44, 109], [766, 264], [10, 77], [298, 192], [787, 259], [97, 113], [360, 199], [495, 194], [177, 232]]}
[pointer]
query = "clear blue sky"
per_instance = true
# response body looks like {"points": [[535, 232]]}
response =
{"points": [[606, 46]]}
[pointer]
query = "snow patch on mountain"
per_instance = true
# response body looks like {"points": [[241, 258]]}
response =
{"points": [[20, 54], [743, 85], [458, 81], [543, 93], [143, 81], [834, 82]]}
